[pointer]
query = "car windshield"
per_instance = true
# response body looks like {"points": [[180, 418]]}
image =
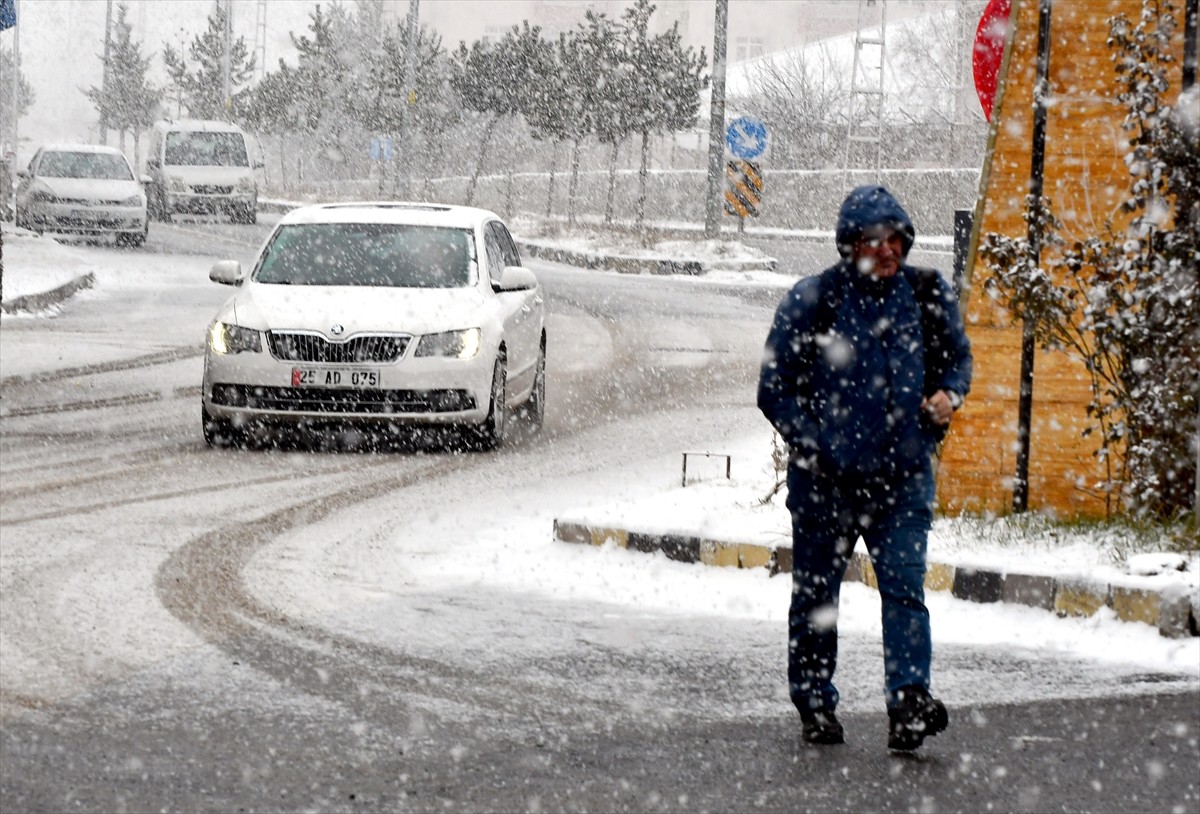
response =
{"points": [[369, 254], [200, 149], [84, 165]]}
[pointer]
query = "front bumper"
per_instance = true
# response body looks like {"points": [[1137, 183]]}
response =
{"points": [[247, 387], [84, 219], [208, 203]]}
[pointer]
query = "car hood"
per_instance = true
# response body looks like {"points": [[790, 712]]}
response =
{"points": [[91, 189], [221, 176], [358, 309]]}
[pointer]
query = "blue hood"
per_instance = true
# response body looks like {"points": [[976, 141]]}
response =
{"points": [[870, 206]]}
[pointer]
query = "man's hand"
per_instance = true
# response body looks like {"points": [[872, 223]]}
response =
{"points": [[939, 408]]}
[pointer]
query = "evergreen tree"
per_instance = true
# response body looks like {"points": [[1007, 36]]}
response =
{"points": [[324, 76], [490, 80], [203, 88], [666, 80], [129, 102], [25, 94], [610, 100], [432, 108], [586, 53], [553, 116], [269, 108]]}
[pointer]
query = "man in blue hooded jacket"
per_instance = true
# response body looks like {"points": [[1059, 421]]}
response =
{"points": [[864, 366]]}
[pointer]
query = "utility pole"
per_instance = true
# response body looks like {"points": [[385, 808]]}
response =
{"points": [[104, 74], [716, 125], [402, 152]]}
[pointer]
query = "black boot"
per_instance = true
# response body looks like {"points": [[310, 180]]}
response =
{"points": [[821, 726], [915, 716]]}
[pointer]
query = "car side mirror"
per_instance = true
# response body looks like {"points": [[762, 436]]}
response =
{"points": [[146, 180], [516, 278], [226, 272], [258, 165], [22, 173]]}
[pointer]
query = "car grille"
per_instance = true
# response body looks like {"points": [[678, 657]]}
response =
{"points": [[209, 189], [316, 400], [85, 201], [305, 347]]}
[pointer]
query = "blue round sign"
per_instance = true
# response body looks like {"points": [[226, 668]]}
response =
{"points": [[746, 137]]}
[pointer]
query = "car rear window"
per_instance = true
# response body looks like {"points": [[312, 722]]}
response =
{"points": [[65, 164], [369, 254]]}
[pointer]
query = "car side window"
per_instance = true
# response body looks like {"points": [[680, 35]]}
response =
{"points": [[495, 253], [511, 256]]}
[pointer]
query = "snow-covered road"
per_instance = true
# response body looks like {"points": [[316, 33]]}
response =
{"points": [[339, 604]]}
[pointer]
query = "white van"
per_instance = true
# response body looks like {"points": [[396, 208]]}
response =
{"points": [[201, 166]]}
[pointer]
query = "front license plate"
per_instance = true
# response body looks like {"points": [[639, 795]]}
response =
{"points": [[334, 377]]}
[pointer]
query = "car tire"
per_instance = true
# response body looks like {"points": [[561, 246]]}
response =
{"points": [[534, 410], [219, 432], [495, 426]]}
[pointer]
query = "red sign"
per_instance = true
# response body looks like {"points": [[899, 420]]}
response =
{"points": [[989, 51]]}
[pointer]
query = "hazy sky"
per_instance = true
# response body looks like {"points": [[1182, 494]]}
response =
{"points": [[62, 40]]}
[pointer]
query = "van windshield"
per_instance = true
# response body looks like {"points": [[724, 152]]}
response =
{"points": [[200, 149]]}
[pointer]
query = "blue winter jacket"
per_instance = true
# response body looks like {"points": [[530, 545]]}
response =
{"points": [[848, 359]]}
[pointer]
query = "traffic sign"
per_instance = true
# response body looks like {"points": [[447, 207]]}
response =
{"points": [[381, 148], [746, 137], [743, 188], [989, 51]]}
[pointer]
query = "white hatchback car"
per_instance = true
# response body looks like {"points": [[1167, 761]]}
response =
{"points": [[378, 313], [84, 189]]}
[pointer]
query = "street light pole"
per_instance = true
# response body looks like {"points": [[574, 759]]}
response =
{"points": [[716, 125]]}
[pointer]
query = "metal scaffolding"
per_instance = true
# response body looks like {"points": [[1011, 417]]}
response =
{"points": [[865, 126]]}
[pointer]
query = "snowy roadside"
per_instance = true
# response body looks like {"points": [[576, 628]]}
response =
{"points": [[35, 265]]}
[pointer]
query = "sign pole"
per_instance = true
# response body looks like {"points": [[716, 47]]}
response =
{"points": [[1041, 90]]}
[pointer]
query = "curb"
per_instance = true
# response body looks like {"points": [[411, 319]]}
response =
{"points": [[636, 265], [46, 299], [1175, 616]]}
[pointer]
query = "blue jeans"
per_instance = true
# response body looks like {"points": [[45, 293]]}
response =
{"points": [[828, 516]]}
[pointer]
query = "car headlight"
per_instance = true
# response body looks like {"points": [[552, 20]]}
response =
{"points": [[245, 184], [132, 200], [459, 344], [224, 338], [177, 184]]}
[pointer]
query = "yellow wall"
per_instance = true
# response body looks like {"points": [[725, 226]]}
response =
{"points": [[1085, 180]]}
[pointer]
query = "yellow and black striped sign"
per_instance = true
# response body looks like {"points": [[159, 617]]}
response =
{"points": [[743, 188]]}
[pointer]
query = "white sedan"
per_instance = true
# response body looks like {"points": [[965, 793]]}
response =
{"points": [[85, 189], [378, 313]]}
